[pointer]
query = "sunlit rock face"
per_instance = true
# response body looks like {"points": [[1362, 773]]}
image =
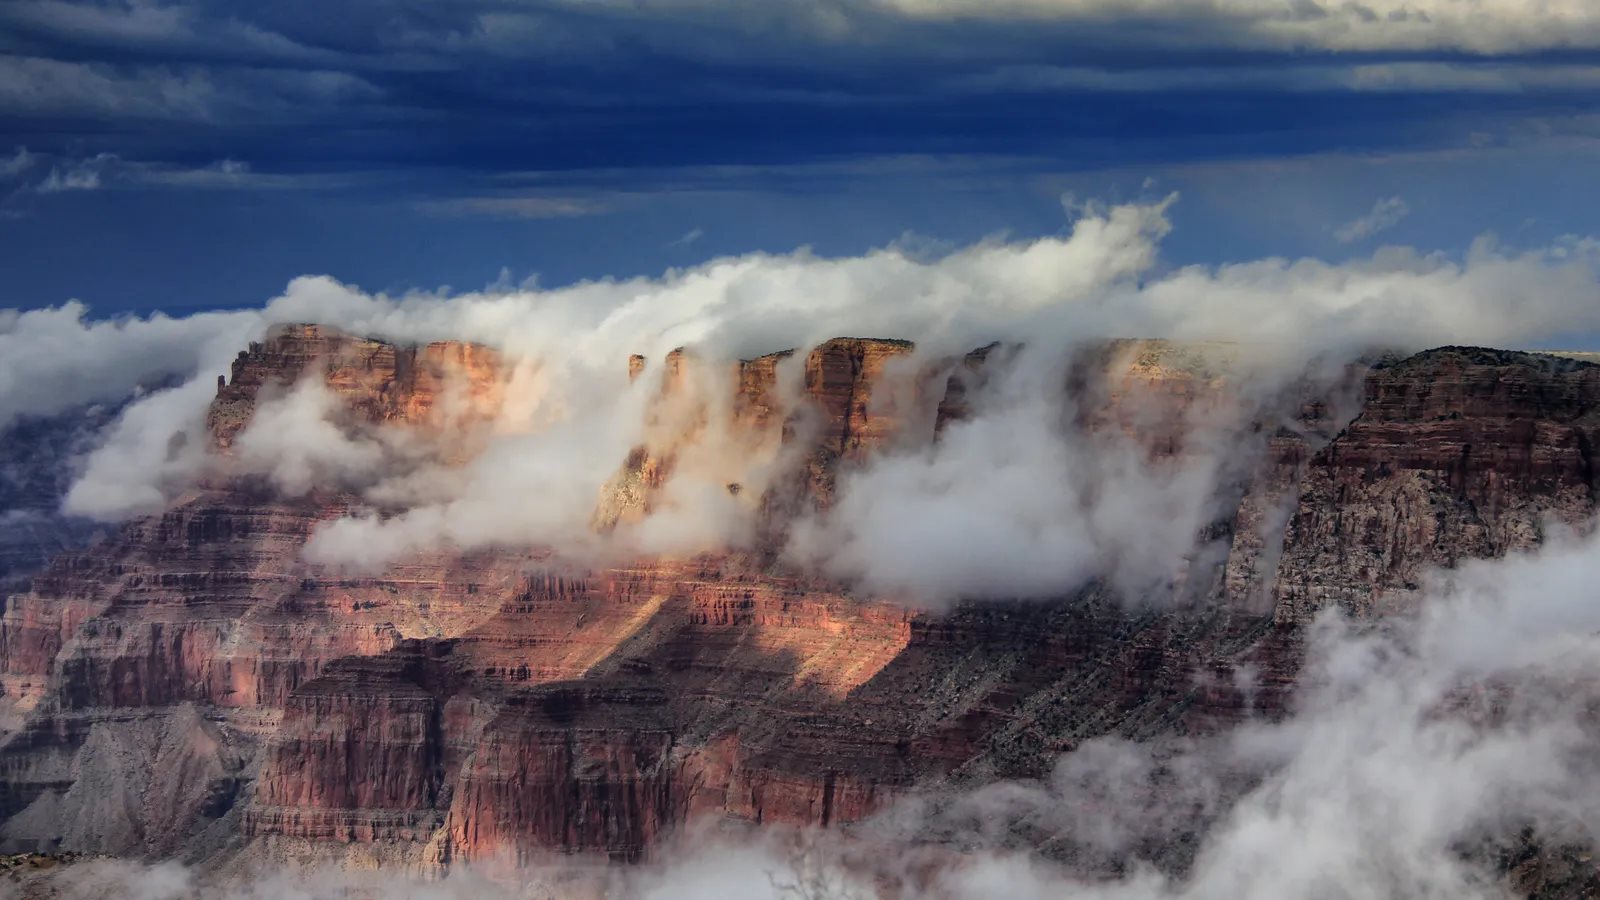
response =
{"points": [[193, 684], [433, 387]]}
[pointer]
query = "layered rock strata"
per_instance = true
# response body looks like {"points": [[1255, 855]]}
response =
{"points": [[193, 685]]}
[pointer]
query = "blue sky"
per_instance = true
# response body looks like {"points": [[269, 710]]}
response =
{"points": [[191, 154]]}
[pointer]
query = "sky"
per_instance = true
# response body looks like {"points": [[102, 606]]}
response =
{"points": [[194, 154]]}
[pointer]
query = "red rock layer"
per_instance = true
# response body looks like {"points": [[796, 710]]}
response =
{"points": [[843, 377], [470, 706], [376, 381], [757, 403], [840, 413]]}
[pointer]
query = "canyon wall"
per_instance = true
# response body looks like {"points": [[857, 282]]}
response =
{"points": [[1457, 453], [192, 686]]}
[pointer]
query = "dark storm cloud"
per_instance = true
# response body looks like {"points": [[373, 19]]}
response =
{"points": [[481, 87]]}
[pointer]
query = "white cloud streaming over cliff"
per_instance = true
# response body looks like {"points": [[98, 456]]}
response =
{"points": [[573, 416], [1414, 749], [1385, 214], [55, 358], [1019, 499]]}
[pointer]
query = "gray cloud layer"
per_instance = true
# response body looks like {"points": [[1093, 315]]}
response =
{"points": [[350, 92]]}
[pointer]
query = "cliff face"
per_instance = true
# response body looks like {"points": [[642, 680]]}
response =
{"points": [[464, 705], [439, 386], [1457, 453]]}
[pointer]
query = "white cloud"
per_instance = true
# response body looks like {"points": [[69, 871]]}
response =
{"points": [[299, 442], [1487, 27], [148, 456], [106, 171], [76, 175], [688, 237], [1479, 26], [516, 207], [1409, 77], [224, 174], [170, 27], [18, 163], [1384, 215], [55, 358], [1017, 501], [1410, 750], [37, 86], [1011, 502], [575, 413]]}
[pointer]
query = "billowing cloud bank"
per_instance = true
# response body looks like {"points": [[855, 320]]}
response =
{"points": [[1415, 752], [1054, 506], [1413, 756]]}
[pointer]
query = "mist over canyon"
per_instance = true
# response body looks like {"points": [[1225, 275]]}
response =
{"points": [[1033, 567]]}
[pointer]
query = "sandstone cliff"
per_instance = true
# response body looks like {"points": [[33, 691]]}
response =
{"points": [[192, 684]]}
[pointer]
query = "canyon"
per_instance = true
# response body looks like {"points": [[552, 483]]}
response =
{"points": [[189, 685]]}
